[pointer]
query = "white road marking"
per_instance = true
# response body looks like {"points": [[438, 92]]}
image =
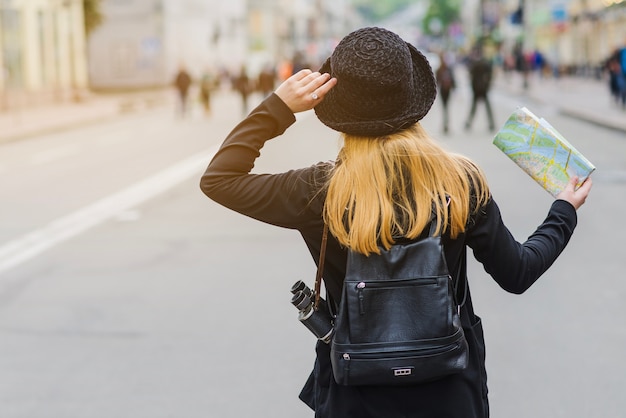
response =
{"points": [[34, 243]]}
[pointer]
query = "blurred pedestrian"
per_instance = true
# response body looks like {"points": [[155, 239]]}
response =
{"points": [[267, 77], [182, 82], [616, 80], [539, 62], [243, 86], [390, 183], [207, 85], [481, 71], [445, 83], [522, 64], [620, 58]]}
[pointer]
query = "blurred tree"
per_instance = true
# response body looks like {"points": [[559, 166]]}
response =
{"points": [[375, 10], [440, 15], [93, 15]]}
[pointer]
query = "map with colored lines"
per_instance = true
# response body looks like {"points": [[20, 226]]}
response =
{"points": [[541, 151]]}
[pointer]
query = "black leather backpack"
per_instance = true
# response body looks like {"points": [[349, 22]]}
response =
{"points": [[398, 319]]}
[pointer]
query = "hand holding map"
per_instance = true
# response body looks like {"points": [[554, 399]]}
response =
{"points": [[576, 196], [541, 151]]}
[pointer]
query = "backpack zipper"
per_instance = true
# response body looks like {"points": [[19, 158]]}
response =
{"points": [[398, 282], [408, 353], [360, 286]]}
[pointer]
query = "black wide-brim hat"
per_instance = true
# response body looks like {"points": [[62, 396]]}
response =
{"points": [[384, 84]]}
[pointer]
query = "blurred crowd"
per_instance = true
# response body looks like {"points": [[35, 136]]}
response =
{"points": [[482, 63], [479, 64], [243, 81], [612, 69]]}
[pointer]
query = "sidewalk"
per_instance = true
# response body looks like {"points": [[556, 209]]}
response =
{"points": [[582, 98], [18, 123]]}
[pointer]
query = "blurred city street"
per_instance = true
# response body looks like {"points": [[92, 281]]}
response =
{"points": [[124, 291], [583, 98]]}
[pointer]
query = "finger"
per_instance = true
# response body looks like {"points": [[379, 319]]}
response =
{"points": [[312, 81], [322, 85], [309, 85], [300, 75], [573, 182], [319, 80], [586, 186], [327, 86]]}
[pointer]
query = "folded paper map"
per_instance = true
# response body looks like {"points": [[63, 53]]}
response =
{"points": [[541, 151]]}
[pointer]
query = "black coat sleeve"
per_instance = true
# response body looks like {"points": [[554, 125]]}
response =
{"points": [[516, 266], [283, 199]]}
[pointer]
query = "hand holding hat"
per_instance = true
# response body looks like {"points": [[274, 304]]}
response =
{"points": [[305, 89]]}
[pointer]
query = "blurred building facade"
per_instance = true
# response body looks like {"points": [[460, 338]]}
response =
{"points": [[142, 43], [574, 35], [42, 52]]}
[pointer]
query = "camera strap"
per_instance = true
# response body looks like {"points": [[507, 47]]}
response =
{"points": [[320, 267]]}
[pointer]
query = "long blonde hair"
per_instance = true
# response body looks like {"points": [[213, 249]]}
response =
{"points": [[386, 187]]}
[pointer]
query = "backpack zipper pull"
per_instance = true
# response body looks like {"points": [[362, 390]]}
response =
{"points": [[360, 286], [346, 365]]}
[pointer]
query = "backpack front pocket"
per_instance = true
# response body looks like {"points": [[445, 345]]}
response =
{"points": [[420, 361], [417, 305]]}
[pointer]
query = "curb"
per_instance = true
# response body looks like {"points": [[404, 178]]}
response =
{"points": [[595, 119], [591, 116]]}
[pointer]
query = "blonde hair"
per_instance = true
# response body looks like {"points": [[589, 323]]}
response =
{"points": [[386, 187]]}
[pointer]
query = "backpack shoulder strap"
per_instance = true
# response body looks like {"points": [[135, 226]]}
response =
{"points": [[461, 282], [320, 267]]}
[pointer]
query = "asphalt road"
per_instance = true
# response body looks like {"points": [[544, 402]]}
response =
{"points": [[124, 292]]}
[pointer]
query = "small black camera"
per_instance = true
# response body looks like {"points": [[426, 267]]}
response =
{"points": [[320, 321]]}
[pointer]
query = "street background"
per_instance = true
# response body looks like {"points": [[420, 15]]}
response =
{"points": [[125, 292]]}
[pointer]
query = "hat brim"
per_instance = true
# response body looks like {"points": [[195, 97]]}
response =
{"points": [[423, 92]]}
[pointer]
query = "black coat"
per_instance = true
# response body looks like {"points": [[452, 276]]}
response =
{"points": [[291, 200]]}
